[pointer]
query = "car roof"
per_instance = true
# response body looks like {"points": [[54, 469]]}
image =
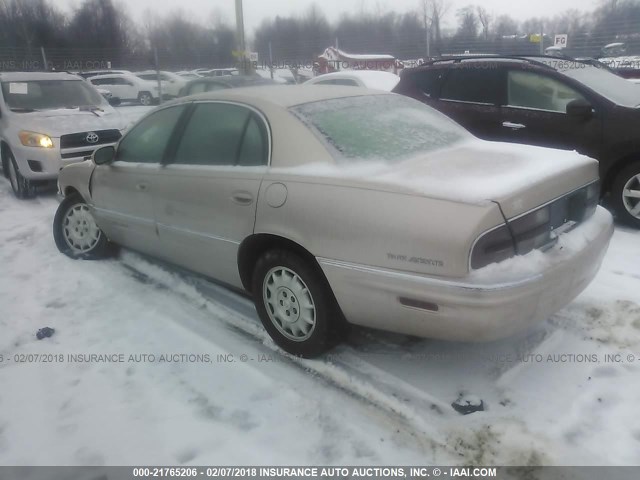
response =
{"points": [[234, 80], [112, 75], [283, 95], [152, 72], [364, 74], [543, 61], [36, 76]]}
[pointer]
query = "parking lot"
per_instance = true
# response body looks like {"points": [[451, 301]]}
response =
{"points": [[183, 372]]}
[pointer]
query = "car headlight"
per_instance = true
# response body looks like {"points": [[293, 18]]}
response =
{"points": [[32, 139]]}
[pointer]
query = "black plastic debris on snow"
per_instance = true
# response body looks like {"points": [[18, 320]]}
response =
{"points": [[466, 404], [45, 332]]}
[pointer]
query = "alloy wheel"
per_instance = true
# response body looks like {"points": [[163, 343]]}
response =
{"points": [[631, 196], [79, 229], [289, 304]]}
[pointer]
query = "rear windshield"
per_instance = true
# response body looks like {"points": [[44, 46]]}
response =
{"points": [[379, 127]]}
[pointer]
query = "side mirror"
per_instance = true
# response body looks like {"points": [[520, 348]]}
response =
{"points": [[115, 101], [104, 155], [579, 108]]}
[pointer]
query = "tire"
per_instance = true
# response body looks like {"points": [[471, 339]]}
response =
{"points": [[625, 195], [22, 187], [306, 323], [75, 232], [145, 99]]}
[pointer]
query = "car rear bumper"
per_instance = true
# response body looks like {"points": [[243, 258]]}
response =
{"points": [[491, 303]]}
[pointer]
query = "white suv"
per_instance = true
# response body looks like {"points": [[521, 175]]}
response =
{"points": [[47, 121], [170, 82], [128, 88]]}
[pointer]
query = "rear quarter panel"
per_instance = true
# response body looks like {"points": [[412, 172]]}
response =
{"points": [[375, 228]]}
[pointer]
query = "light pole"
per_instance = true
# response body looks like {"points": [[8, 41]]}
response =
{"points": [[240, 37]]}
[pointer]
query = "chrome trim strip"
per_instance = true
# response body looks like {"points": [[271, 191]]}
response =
{"points": [[112, 213], [145, 221], [415, 277], [198, 234], [532, 109], [466, 102]]}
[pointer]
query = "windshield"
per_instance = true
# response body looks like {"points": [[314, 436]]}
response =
{"points": [[49, 95], [609, 85], [380, 127]]}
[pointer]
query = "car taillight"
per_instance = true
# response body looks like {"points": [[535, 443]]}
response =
{"points": [[492, 247], [532, 231], [538, 229]]}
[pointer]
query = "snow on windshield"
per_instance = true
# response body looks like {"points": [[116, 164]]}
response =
{"points": [[379, 127], [607, 84]]}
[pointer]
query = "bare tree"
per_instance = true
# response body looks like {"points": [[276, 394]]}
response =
{"points": [[467, 24], [485, 19], [433, 13]]}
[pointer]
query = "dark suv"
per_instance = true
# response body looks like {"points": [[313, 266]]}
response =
{"points": [[551, 102]]}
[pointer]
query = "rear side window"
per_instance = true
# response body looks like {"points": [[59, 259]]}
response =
{"points": [[147, 141], [222, 134], [473, 82], [254, 146]]}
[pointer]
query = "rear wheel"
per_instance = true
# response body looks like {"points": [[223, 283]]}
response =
{"points": [[76, 233], [22, 187], [295, 304], [145, 99], [625, 195]]}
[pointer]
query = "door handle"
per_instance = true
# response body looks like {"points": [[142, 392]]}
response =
{"points": [[242, 198], [142, 187], [513, 126]]}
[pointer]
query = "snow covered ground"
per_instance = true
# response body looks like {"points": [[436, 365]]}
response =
{"points": [[550, 395]]}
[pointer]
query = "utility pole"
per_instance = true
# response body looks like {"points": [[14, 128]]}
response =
{"points": [[541, 38], [240, 37], [426, 32]]}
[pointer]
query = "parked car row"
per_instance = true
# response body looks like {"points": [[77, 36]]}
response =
{"points": [[335, 204]]}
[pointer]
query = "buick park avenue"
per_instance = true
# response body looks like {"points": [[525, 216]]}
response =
{"points": [[339, 205]]}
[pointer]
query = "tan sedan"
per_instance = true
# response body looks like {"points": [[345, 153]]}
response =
{"points": [[338, 205]]}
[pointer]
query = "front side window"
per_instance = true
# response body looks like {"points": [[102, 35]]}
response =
{"points": [[221, 134], [532, 90], [474, 83], [379, 127], [147, 141]]}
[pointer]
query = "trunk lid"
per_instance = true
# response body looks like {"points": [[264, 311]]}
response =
{"points": [[518, 177]]}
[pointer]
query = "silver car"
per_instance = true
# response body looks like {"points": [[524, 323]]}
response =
{"points": [[342, 205]]}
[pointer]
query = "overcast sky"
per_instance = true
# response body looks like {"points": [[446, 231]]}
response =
{"points": [[256, 10]]}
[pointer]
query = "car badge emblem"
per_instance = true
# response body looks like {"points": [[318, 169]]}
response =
{"points": [[92, 137]]}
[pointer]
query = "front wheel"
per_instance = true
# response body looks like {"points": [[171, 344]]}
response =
{"points": [[22, 187], [625, 194], [76, 233], [145, 99], [295, 304]]}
